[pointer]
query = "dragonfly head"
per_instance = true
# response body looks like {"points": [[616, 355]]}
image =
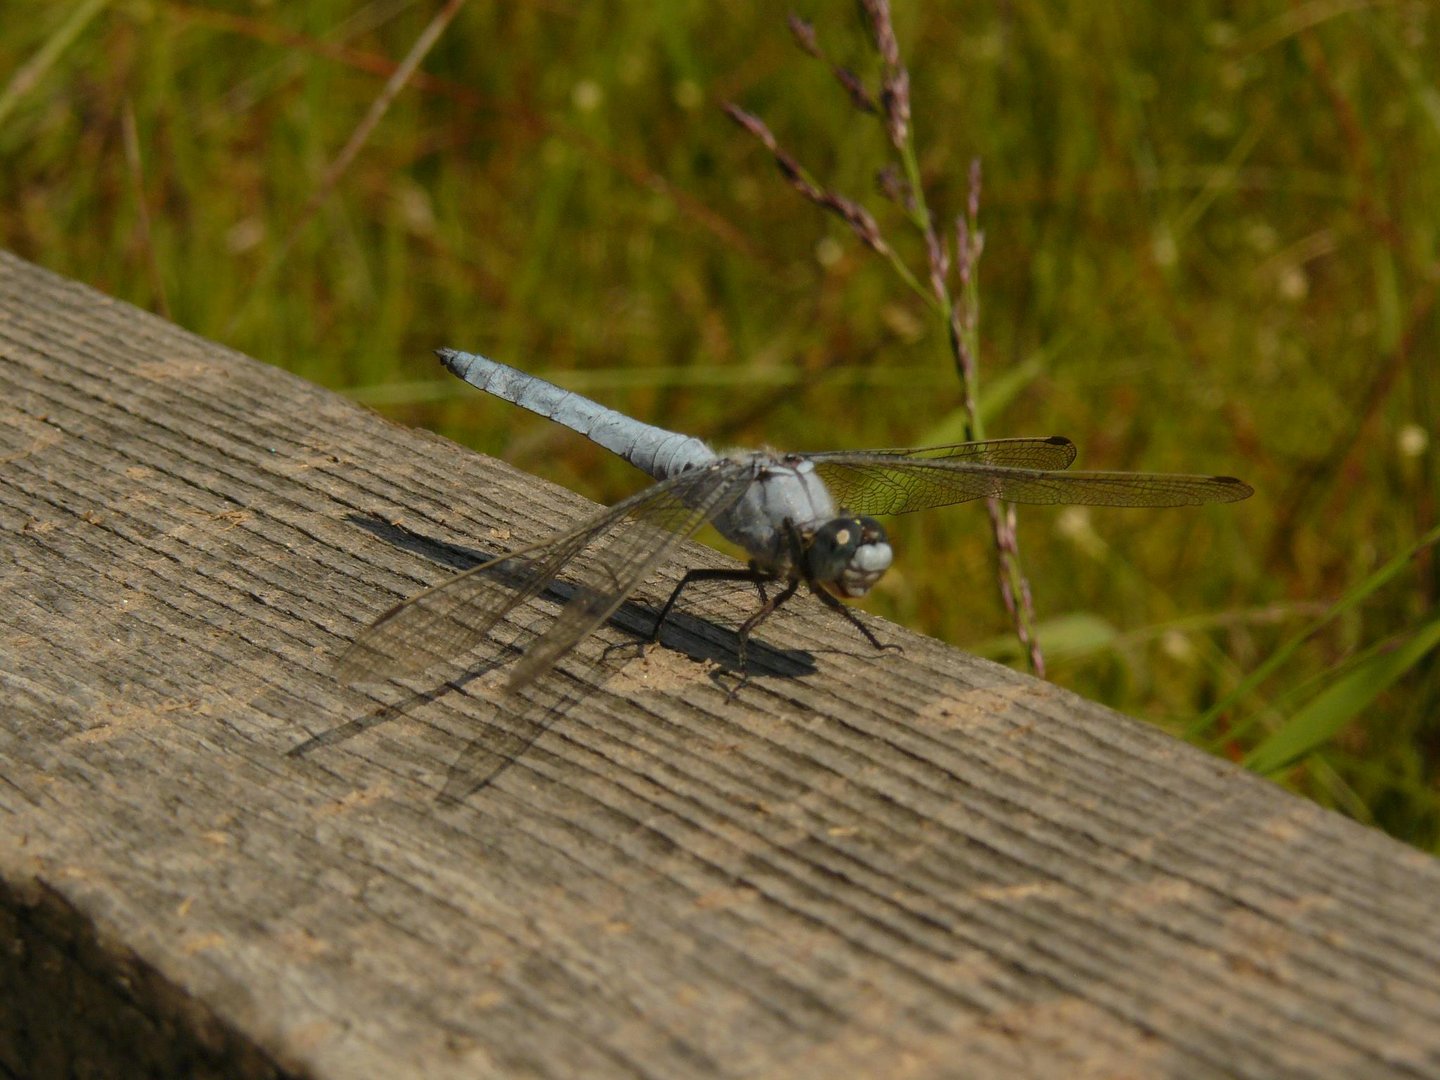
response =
{"points": [[847, 556]]}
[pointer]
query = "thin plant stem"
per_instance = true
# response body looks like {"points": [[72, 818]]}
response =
{"points": [[959, 315], [397, 81]]}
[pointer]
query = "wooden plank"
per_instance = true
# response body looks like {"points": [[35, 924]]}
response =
{"points": [[907, 865]]}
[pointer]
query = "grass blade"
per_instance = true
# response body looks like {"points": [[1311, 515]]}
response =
{"points": [[1286, 652], [1339, 703]]}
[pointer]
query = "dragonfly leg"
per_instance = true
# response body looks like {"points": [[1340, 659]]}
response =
{"points": [[767, 606], [835, 605], [714, 574]]}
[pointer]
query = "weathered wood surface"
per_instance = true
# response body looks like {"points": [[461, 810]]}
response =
{"points": [[909, 865]]}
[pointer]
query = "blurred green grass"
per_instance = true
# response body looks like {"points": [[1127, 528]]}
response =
{"points": [[1211, 246]]}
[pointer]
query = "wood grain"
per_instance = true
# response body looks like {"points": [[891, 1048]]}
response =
{"points": [[915, 864]]}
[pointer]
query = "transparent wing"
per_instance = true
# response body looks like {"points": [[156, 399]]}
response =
{"points": [[1045, 452], [643, 543], [880, 482], [885, 482], [605, 558]]}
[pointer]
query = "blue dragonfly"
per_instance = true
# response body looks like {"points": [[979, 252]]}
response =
{"points": [[803, 518]]}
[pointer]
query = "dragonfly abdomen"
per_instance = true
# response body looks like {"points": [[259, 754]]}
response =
{"points": [[651, 449]]}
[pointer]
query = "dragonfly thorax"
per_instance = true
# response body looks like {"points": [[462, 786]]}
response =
{"points": [[785, 501], [847, 556]]}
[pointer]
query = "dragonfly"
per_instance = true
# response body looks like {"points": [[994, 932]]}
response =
{"points": [[804, 519]]}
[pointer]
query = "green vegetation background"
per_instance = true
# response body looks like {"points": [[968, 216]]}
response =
{"points": [[1211, 246]]}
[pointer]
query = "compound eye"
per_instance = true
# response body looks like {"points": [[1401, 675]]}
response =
{"points": [[831, 547], [842, 535]]}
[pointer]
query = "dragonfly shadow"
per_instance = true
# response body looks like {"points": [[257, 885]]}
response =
{"points": [[520, 718], [705, 641], [455, 557]]}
